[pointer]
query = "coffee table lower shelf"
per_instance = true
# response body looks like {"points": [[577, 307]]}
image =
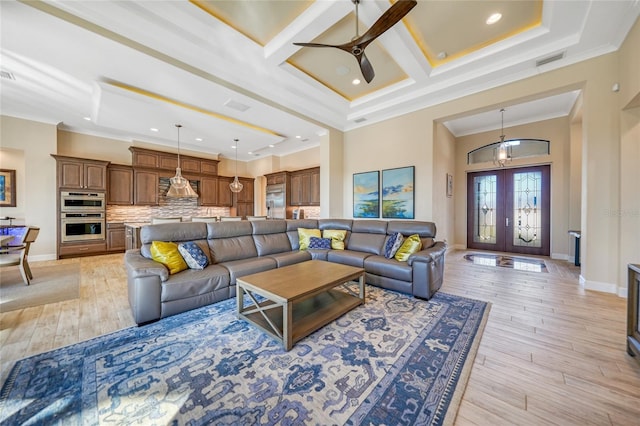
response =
{"points": [[308, 315]]}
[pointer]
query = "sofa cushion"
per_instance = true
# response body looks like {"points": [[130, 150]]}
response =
{"points": [[240, 268], [391, 268], [304, 236], [271, 243], [367, 243], [193, 255], [393, 244], [234, 248], [291, 257], [337, 237], [167, 253], [194, 282], [348, 257], [319, 243], [411, 245]]}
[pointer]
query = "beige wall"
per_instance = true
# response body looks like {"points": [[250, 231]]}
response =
{"points": [[25, 146], [443, 206], [557, 132]]}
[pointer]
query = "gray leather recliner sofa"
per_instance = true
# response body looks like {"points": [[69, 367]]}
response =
{"points": [[241, 248]]}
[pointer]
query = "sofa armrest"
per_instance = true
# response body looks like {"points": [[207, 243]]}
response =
{"points": [[140, 266], [144, 281], [431, 254], [428, 270]]}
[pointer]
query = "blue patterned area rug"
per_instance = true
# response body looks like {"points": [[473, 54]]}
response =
{"points": [[395, 360]]}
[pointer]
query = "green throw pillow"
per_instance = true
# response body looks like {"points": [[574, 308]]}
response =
{"points": [[168, 255], [304, 235], [411, 244], [336, 236]]}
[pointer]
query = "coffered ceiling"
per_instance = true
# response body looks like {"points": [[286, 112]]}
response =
{"points": [[229, 69]]}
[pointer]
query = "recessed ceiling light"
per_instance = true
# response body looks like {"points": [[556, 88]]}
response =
{"points": [[272, 146], [87, 118], [298, 136], [199, 139], [495, 17], [233, 147], [249, 152], [153, 129], [355, 81], [442, 55]]}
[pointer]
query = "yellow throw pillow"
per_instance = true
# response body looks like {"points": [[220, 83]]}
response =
{"points": [[168, 255], [336, 236], [304, 235], [411, 244]]}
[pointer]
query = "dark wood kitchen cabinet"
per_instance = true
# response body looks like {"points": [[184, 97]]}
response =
{"points": [[214, 191], [244, 199], [115, 237], [119, 185], [80, 173], [305, 187], [145, 188]]}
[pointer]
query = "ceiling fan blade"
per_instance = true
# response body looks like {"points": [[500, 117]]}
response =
{"points": [[388, 19], [315, 45], [365, 67]]}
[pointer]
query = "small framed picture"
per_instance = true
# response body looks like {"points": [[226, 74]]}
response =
{"points": [[449, 185], [7, 188]]}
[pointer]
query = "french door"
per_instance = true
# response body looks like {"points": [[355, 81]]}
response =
{"points": [[508, 210]]}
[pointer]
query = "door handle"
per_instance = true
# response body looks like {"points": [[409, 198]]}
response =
{"points": [[507, 221]]}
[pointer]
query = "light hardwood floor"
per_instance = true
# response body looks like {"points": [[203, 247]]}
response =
{"points": [[551, 352]]}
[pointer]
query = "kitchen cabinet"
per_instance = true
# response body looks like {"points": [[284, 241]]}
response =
{"points": [[305, 187], [146, 158], [81, 249], [80, 173], [115, 237], [214, 191], [244, 199], [145, 191], [276, 178], [119, 185]]}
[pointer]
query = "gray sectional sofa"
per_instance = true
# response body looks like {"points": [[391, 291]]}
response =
{"points": [[235, 249]]}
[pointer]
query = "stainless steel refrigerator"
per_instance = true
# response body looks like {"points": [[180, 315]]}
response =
{"points": [[276, 203]]}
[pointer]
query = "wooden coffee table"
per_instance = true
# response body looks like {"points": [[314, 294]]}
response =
{"points": [[301, 298]]}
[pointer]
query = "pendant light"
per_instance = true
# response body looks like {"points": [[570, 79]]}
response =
{"points": [[180, 187], [236, 186], [502, 153]]}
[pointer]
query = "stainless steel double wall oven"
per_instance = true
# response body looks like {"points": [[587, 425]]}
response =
{"points": [[82, 216]]}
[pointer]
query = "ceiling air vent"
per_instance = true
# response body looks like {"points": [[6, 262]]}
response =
{"points": [[553, 58], [7, 75], [236, 105], [360, 120]]}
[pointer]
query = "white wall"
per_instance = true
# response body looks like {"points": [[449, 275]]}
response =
{"points": [[25, 146]]}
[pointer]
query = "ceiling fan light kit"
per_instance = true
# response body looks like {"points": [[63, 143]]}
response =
{"points": [[359, 43]]}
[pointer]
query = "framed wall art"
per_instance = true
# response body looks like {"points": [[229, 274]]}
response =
{"points": [[397, 193], [449, 185], [7, 188], [366, 194]]}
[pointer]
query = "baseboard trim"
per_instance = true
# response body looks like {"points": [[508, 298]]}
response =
{"points": [[598, 286], [42, 257], [561, 256], [622, 292]]}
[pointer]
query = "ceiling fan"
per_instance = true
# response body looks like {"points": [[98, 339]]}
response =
{"points": [[357, 45]]}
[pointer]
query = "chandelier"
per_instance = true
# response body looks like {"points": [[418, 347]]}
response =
{"points": [[236, 186], [502, 153], [180, 187]]}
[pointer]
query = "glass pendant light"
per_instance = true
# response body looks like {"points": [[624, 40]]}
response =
{"points": [[502, 153], [180, 187], [236, 186]]}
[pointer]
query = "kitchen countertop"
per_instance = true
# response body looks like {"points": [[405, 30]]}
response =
{"points": [[136, 224]]}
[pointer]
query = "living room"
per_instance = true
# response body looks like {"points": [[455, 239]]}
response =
{"points": [[596, 142]]}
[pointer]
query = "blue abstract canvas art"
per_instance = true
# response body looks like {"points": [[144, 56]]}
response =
{"points": [[366, 194], [398, 193]]}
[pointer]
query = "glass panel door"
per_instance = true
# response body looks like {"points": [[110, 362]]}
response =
{"points": [[508, 210]]}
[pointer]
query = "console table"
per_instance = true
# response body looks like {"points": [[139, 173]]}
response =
{"points": [[576, 234]]}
